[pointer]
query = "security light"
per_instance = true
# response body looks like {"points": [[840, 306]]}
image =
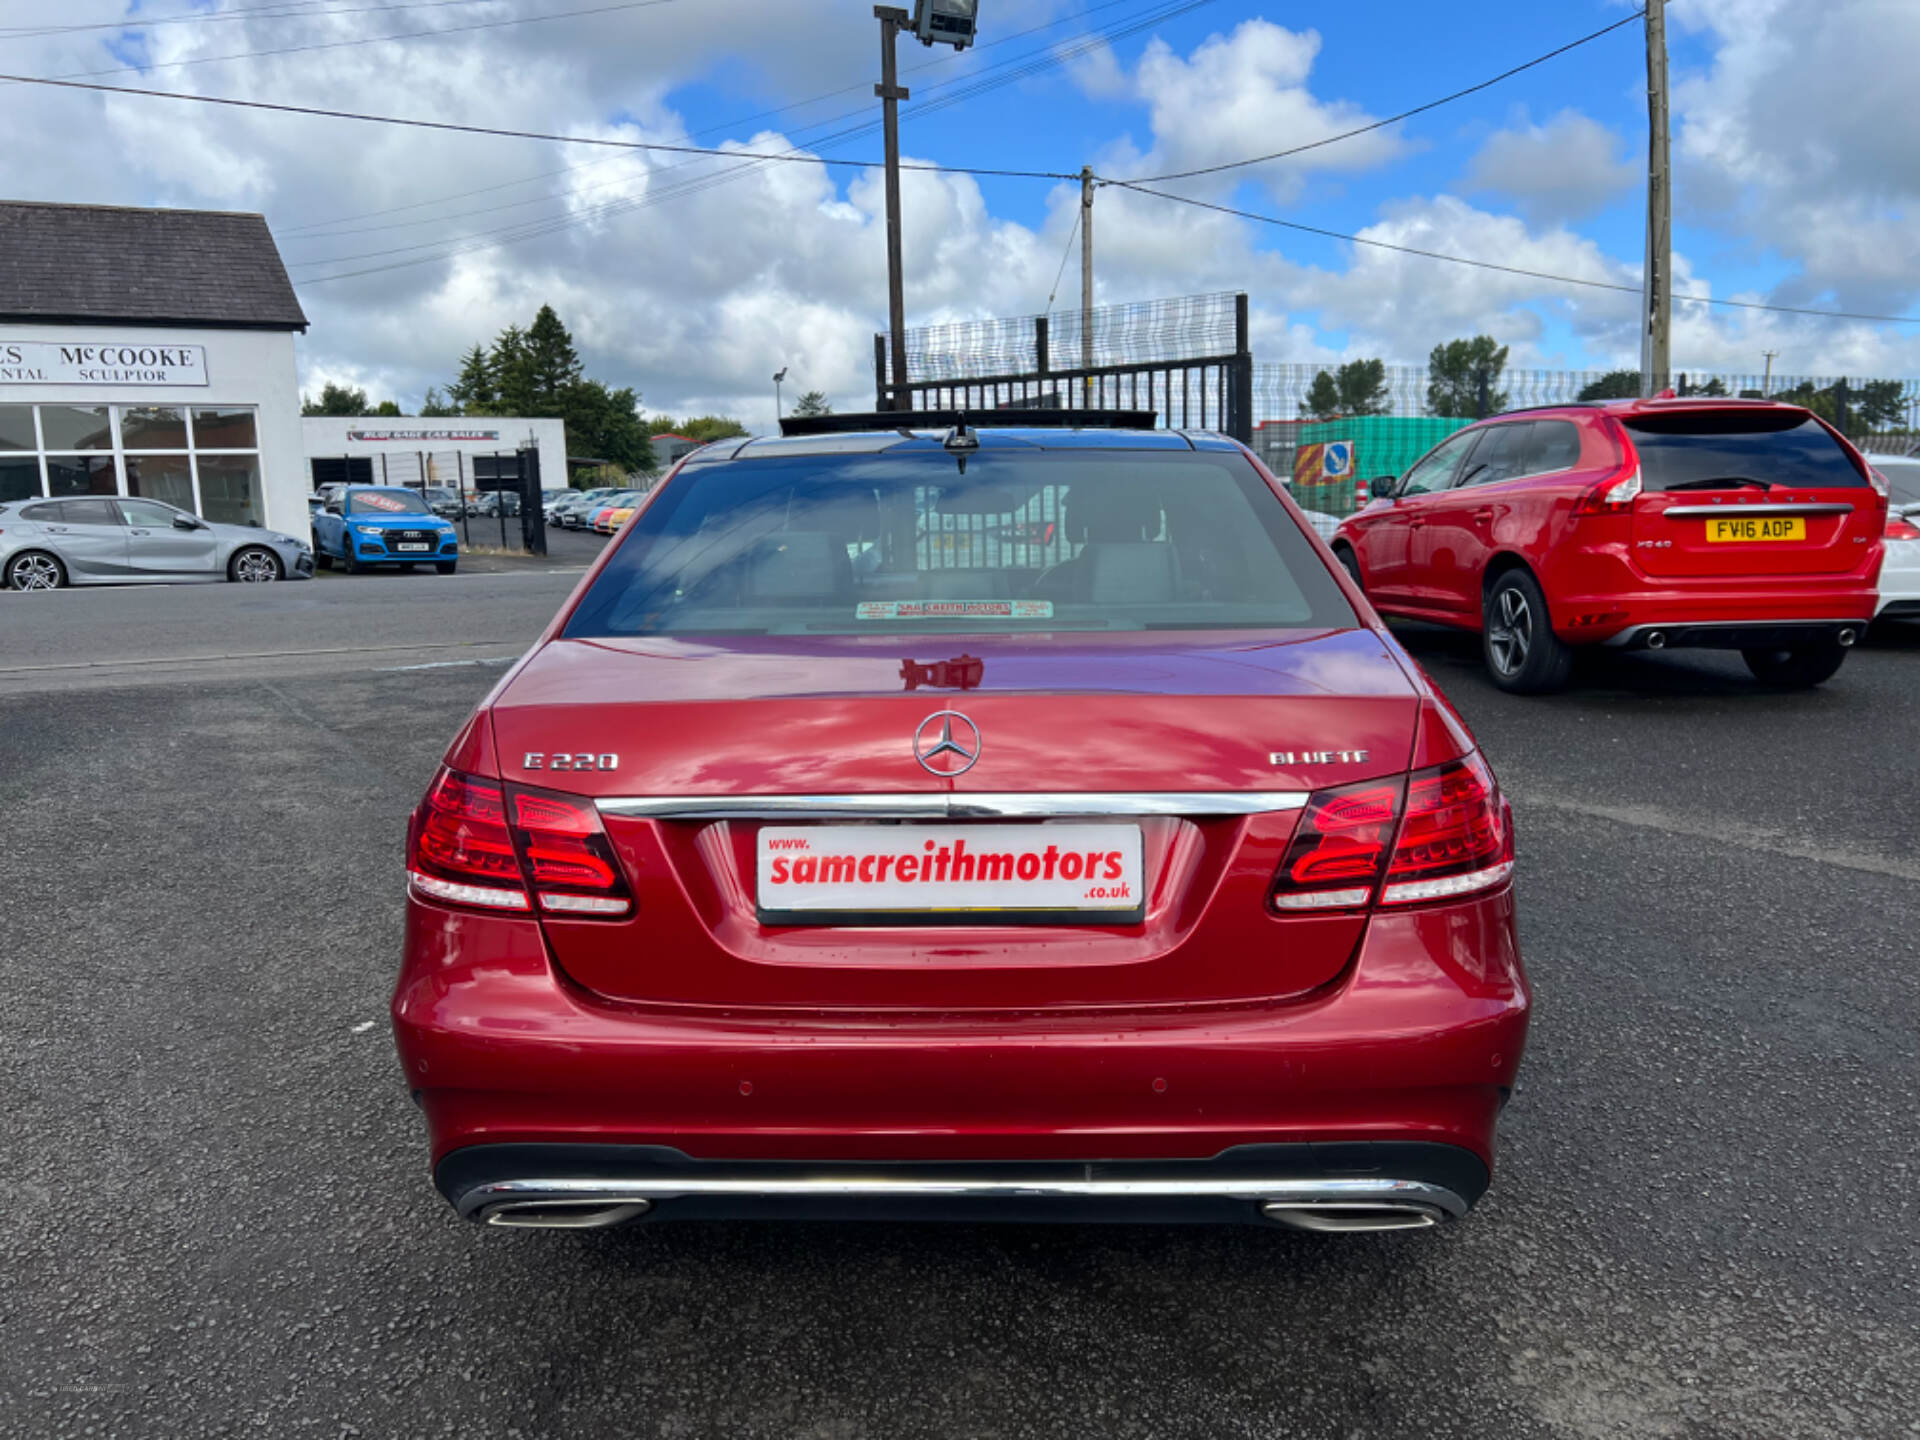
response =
{"points": [[945, 22]]}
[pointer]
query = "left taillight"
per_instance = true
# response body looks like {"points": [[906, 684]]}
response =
{"points": [[491, 847], [1439, 833], [1901, 528]]}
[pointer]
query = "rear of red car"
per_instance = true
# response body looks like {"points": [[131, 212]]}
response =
{"points": [[1725, 524], [1022, 827]]}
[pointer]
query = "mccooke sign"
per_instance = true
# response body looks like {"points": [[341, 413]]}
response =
{"points": [[40, 362]]}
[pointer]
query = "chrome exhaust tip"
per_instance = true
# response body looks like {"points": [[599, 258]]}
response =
{"points": [[565, 1214], [1347, 1217], [1657, 640], [1847, 637]]}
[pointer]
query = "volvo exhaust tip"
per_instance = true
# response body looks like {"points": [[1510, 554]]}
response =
{"points": [[565, 1214], [1352, 1216], [1657, 640], [1847, 637]]}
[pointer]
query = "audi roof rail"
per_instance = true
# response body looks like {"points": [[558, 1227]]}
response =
{"points": [[1035, 419]]}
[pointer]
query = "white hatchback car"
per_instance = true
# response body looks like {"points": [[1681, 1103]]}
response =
{"points": [[1900, 572]]}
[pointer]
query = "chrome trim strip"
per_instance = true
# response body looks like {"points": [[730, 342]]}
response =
{"points": [[1812, 507], [483, 1201], [1632, 633], [1039, 805]]}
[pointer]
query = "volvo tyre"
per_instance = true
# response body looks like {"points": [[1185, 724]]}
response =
{"points": [[1523, 654], [1350, 563], [255, 565], [35, 570]]}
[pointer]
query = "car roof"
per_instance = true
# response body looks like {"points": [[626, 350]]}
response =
{"points": [[990, 437], [1657, 405]]}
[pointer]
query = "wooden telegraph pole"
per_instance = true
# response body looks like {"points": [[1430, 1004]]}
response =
{"points": [[891, 94], [1656, 365]]}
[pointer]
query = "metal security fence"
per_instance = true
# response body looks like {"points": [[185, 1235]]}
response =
{"points": [[1188, 360], [1329, 428]]}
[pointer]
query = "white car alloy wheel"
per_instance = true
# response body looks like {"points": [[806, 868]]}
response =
{"points": [[34, 571]]}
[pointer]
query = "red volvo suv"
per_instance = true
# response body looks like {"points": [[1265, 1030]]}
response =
{"points": [[1643, 524], [1014, 822]]}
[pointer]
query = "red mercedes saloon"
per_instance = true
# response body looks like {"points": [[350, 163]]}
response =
{"points": [[1018, 822], [1639, 524]]}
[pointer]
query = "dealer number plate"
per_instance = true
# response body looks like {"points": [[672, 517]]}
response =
{"points": [[981, 871], [408, 545], [1755, 527]]}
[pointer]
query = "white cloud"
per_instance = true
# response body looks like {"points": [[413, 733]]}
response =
{"points": [[1568, 169]]}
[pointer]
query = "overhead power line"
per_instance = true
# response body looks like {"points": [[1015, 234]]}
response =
{"points": [[946, 57], [455, 127], [367, 40], [1509, 269], [1486, 84], [280, 10]]}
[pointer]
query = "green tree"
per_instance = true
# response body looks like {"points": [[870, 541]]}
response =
{"points": [[711, 427], [1363, 387], [336, 400], [388, 408], [1614, 385], [510, 366], [1461, 376], [1871, 404], [473, 392], [1323, 397], [550, 363], [605, 424], [814, 402], [435, 407], [1714, 386]]}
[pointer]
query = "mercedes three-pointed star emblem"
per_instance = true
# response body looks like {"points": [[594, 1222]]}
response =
{"points": [[946, 744]]}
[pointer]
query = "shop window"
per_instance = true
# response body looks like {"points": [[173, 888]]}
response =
{"points": [[76, 427], [19, 477], [228, 428], [81, 475], [167, 478], [153, 427], [16, 428], [230, 489]]}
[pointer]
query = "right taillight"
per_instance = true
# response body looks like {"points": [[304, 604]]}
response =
{"points": [[1440, 833], [477, 843], [1900, 528], [1613, 495]]}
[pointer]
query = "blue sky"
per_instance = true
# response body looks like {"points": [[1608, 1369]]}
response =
{"points": [[1796, 176]]}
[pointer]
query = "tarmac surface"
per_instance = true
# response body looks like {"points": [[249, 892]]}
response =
{"points": [[215, 1217]]}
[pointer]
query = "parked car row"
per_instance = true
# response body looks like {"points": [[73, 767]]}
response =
{"points": [[1640, 525]]}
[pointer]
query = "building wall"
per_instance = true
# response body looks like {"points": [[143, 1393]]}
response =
{"points": [[418, 448], [242, 368]]}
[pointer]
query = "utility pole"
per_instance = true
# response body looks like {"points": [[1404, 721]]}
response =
{"points": [[1086, 285], [782, 375], [1657, 322], [891, 18], [1766, 381]]}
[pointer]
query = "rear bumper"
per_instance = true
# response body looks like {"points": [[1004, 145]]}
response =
{"points": [[1367, 1186], [1418, 1041], [1737, 635]]}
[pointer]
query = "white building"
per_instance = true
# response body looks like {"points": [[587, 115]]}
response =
{"points": [[150, 352], [376, 450]]}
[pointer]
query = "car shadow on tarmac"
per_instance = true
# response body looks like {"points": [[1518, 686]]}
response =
{"points": [[1454, 658]]}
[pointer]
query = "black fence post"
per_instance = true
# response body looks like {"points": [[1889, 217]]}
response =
{"points": [[1482, 397], [466, 519], [880, 373], [1239, 419], [1840, 404], [533, 511]]}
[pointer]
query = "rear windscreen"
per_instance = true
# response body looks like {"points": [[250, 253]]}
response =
{"points": [[1019, 541], [1689, 451]]}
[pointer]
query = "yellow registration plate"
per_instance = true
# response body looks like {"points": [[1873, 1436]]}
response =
{"points": [[1756, 527]]}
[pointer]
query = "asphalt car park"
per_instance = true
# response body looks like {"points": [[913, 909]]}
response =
{"points": [[219, 1217]]}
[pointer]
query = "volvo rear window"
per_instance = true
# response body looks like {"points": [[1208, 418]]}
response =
{"points": [[910, 543], [1689, 450]]}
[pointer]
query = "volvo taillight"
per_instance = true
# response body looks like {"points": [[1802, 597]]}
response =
{"points": [[1901, 528], [1613, 495], [477, 843], [1443, 832]]}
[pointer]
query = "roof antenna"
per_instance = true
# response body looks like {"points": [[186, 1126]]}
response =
{"points": [[961, 442]]}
